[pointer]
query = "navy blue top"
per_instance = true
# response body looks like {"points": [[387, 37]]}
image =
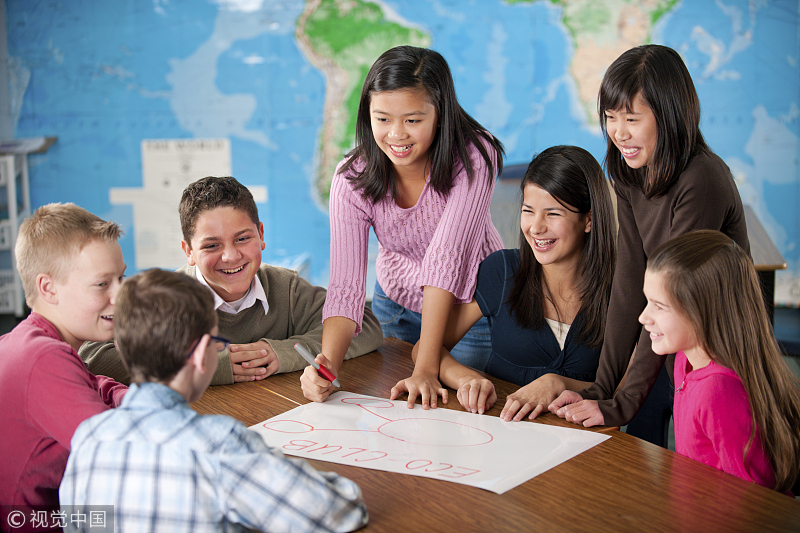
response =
{"points": [[521, 355]]}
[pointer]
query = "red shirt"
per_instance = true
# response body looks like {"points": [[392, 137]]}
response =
{"points": [[45, 393]]}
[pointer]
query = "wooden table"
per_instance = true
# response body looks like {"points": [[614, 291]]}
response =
{"points": [[623, 484]]}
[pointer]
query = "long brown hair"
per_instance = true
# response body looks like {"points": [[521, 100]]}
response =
{"points": [[409, 67], [573, 177], [713, 283], [658, 74]]}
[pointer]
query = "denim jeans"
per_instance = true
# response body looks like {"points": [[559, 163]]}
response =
{"points": [[472, 350]]}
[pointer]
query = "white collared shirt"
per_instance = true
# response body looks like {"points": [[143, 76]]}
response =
{"points": [[255, 292]]}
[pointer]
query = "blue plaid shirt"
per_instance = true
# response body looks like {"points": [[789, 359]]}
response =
{"points": [[166, 468]]}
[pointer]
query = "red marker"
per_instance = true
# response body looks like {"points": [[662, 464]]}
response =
{"points": [[320, 368]]}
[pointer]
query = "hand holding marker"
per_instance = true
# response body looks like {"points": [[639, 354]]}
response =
{"points": [[320, 368]]}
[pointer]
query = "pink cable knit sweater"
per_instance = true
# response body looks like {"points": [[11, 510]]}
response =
{"points": [[440, 242]]}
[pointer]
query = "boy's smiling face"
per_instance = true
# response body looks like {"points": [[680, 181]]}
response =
{"points": [[85, 298], [226, 248]]}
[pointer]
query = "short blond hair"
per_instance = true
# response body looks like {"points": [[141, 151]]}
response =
{"points": [[51, 237]]}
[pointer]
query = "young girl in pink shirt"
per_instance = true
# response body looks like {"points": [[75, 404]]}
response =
{"points": [[737, 404], [421, 176]]}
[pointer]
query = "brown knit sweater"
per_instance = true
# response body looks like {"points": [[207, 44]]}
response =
{"points": [[704, 197]]}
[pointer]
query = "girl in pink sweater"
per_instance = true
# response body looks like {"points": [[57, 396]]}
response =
{"points": [[737, 404], [421, 176]]}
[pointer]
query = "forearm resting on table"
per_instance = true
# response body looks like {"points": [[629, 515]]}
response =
{"points": [[337, 334], [569, 383], [453, 374], [545, 389]]}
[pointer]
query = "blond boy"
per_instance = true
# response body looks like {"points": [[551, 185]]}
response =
{"points": [[166, 468], [71, 269]]}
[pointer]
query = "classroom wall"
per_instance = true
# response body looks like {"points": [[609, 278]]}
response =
{"points": [[146, 96], [6, 124]]}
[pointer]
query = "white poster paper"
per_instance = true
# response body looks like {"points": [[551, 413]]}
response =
{"points": [[477, 450]]}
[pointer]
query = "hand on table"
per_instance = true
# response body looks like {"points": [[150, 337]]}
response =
{"points": [[253, 361], [573, 408], [315, 387], [532, 399], [476, 395], [426, 386]]}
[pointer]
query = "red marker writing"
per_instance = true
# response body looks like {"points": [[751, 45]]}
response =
{"points": [[320, 368]]}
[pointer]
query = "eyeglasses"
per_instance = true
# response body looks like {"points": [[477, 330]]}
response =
{"points": [[222, 343]]}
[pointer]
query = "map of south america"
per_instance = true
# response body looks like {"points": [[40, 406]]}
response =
{"points": [[343, 39]]}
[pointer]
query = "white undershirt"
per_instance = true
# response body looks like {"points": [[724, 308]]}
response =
{"points": [[238, 303], [560, 330], [254, 294]]}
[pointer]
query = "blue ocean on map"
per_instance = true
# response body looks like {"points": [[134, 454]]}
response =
{"points": [[104, 76]]}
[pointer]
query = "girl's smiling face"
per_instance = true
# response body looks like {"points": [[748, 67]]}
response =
{"points": [[633, 132], [670, 330], [404, 126], [555, 234]]}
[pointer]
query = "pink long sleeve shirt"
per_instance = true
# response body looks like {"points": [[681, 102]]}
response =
{"points": [[440, 242], [713, 424]]}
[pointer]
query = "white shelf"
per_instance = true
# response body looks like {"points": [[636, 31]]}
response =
{"points": [[14, 177]]}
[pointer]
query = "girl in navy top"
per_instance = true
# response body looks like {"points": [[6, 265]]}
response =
{"points": [[546, 301]]}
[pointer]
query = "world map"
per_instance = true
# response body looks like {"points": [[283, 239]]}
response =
{"points": [[277, 83]]}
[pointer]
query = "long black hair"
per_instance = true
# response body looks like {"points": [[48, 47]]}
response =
{"points": [[573, 177], [409, 67], [658, 74]]}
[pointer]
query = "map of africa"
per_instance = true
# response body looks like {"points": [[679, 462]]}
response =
{"points": [[268, 90]]}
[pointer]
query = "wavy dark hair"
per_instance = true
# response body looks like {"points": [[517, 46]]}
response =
{"points": [[712, 282], [573, 177], [209, 193], [409, 67], [658, 74]]}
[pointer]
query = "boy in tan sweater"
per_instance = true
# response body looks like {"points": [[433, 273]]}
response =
{"points": [[263, 309]]}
